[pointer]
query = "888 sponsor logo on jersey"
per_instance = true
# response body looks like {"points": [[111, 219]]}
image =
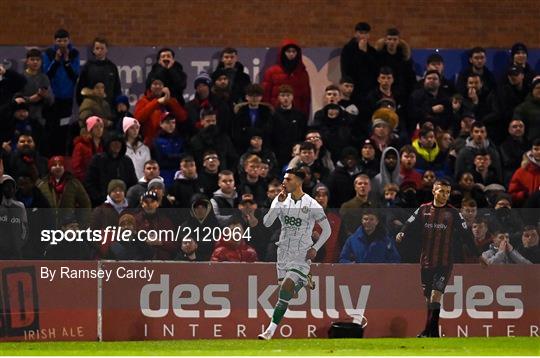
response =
{"points": [[292, 221]]}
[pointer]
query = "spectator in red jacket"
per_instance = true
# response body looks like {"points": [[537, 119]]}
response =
{"points": [[233, 248], [526, 180], [149, 108], [289, 70], [86, 145]]}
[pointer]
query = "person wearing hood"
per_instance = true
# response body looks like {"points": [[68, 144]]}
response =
{"points": [[201, 216], [186, 182], [394, 52], [210, 137], [370, 243], [121, 110], [359, 62], [225, 199], [171, 72], [151, 170], [150, 108], [477, 141], [95, 104], [289, 70], [529, 111], [108, 213], [389, 172], [24, 158], [136, 150], [526, 179], [104, 167], [229, 249], [336, 129], [168, 147], [234, 70], [341, 181], [15, 226], [86, 146], [61, 64], [100, 69]]}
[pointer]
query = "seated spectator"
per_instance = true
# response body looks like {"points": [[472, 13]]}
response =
{"points": [[407, 162], [346, 87], [225, 198], [309, 157], [95, 104], [250, 181], [88, 144], [429, 154], [501, 251], [289, 126], [481, 235], [209, 137], [234, 70], [335, 129], [466, 189], [529, 248], [168, 147], [201, 216], [436, 62], [529, 110], [234, 249], [14, 224], [322, 155], [329, 253], [24, 158], [526, 180], [369, 162], [390, 195], [171, 72], [288, 70], [136, 150], [104, 167], [513, 148], [369, 243], [483, 173], [208, 174], [477, 65], [252, 116], [341, 181], [108, 213], [151, 170], [186, 182], [188, 250], [100, 69], [150, 108], [389, 172], [351, 210]]}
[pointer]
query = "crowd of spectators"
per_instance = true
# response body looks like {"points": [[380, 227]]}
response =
{"points": [[370, 155]]}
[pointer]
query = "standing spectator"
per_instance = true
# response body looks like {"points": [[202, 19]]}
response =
{"points": [[37, 91], [11, 82], [108, 213], [120, 110], [15, 225], [136, 150], [518, 58], [370, 243], [234, 70], [476, 100], [384, 91], [188, 250], [341, 181], [329, 253], [150, 108], [100, 69], [18, 122], [383, 122], [251, 182], [389, 171], [407, 171], [289, 70], [529, 111], [24, 158], [104, 167], [513, 148], [429, 153], [171, 72], [201, 216], [436, 62], [351, 210], [529, 248], [394, 52], [151, 171], [309, 157], [336, 129], [501, 251], [95, 104], [168, 147], [359, 61], [289, 125], [186, 182], [86, 146], [477, 65], [369, 162], [225, 198], [346, 87], [208, 175], [481, 235], [526, 180], [258, 147], [61, 64], [484, 173]]}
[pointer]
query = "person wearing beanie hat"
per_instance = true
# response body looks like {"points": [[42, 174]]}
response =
{"points": [[120, 111], [116, 184], [202, 78], [89, 143], [15, 230], [107, 213], [436, 62], [95, 103], [170, 72], [518, 58], [288, 70], [136, 150], [148, 110]]}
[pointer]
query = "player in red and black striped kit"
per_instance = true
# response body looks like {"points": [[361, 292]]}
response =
{"points": [[444, 232]]}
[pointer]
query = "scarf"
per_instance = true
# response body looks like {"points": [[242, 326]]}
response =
{"points": [[58, 185]]}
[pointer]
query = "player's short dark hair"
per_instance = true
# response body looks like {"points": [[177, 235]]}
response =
{"points": [[33, 52], [442, 182], [386, 70], [332, 88], [296, 172], [307, 146]]}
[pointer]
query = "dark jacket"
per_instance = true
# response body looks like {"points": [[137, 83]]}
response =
{"points": [[211, 138], [224, 114], [104, 167], [209, 220], [401, 63], [529, 113], [243, 129], [488, 80], [12, 83], [336, 132], [238, 80], [174, 78], [289, 128], [341, 185], [512, 151], [420, 109], [106, 72], [184, 189], [361, 66]]}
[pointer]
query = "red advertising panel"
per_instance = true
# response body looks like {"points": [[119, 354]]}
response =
{"points": [[48, 301], [228, 300]]}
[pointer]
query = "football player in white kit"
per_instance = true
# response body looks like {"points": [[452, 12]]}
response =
{"points": [[298, 213]]}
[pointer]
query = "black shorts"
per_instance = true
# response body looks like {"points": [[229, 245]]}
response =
{"points": [[435, 278]]}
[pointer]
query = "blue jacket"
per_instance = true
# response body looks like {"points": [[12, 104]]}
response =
{"points": [[63, 78], [357, 249], [168, 149]]}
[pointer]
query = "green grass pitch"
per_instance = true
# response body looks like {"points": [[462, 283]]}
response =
{"points": [[374, 346]]}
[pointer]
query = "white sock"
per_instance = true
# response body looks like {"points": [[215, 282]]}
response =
{"points": [[272, 327]]}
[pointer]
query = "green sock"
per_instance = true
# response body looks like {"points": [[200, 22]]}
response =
{"points": [[281, 306]]}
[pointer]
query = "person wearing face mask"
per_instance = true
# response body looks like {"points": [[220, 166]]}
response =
{"points": [[14, 222]]}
